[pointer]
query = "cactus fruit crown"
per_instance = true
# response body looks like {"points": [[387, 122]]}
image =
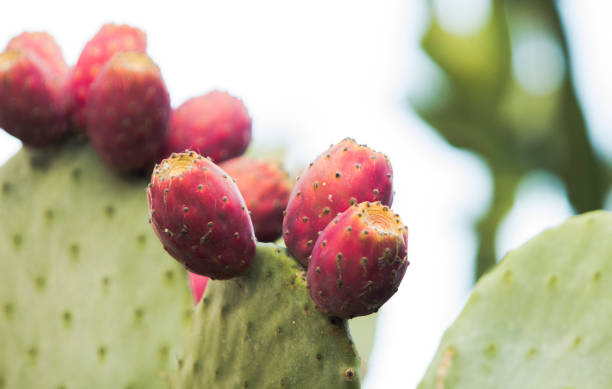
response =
{"points": [[539, 319], [8, 58], [380, 218], [181, 162], [133, 61]]}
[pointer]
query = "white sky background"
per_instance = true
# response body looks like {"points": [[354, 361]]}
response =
{"points": [[314, 72]]}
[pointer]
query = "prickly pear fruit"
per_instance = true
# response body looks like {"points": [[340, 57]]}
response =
{"points": [[216, 125], [127, 111], [197, 284], [108, 41], [33, 101], [358, 261], [200, 217], [265, 188], [45, 47], [346, 174]]}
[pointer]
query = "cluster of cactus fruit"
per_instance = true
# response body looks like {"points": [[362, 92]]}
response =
{"points": [[210, 208], [337, 223]]}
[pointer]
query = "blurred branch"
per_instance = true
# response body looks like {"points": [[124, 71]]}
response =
{"points": [[484, 110]]}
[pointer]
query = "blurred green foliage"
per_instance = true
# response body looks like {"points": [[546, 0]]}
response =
{"points": [[483, 108]]}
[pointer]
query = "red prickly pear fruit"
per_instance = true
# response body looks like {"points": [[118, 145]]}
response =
{"points": [[108, 41], [216, 125], [200, 217], [197, 284], [358, 261], [45, 47], [34, 105], [344, 175], [127, 112], [265, 188]]}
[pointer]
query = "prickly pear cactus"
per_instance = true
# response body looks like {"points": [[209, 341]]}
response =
{"points": [[88, 297], [540, 319], [263, 331]]}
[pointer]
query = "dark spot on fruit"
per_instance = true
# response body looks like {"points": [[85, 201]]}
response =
{"points": [[318, 269], [388, 175], [319, 357], [225, 199], [304, 219], [6, 187], [278, 330], [142, 239], [185, 209], [596, 276], [169, 275], [200, 187], [375, 191], [337, 174]]}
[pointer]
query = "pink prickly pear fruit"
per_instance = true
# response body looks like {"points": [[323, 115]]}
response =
{"points": [[127, 112], [197, 284], [265, 188], [216, 125], [346, 174], [34, 105], [358, 261], [44, 46], [200, 217], [108, 41]]}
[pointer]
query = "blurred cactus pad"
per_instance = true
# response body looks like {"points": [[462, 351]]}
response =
{"points": [[539, 319], [88, 297], [505, 92], [263, 331]]}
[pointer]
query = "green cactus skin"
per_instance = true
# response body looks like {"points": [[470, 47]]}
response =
{"points": [[540, 319], [88, 297], [263, 331]]}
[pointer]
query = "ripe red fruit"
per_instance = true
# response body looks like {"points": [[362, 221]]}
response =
{"points": [[127, 111], [108, 41], [358, 261], [197, 284], [216, 125], [265, 188], [200, 217], [346, 174], [44, 47], [34, 105]]}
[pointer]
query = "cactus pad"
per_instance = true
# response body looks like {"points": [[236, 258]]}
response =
{"points": [[263, 331], [88, 297], [539, 319]]}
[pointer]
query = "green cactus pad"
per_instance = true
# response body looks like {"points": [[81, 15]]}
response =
{"points": [[540, 319], [263, 331], [88, 297]]}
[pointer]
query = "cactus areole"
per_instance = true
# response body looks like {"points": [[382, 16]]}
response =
{"points": [[200, 217]]}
